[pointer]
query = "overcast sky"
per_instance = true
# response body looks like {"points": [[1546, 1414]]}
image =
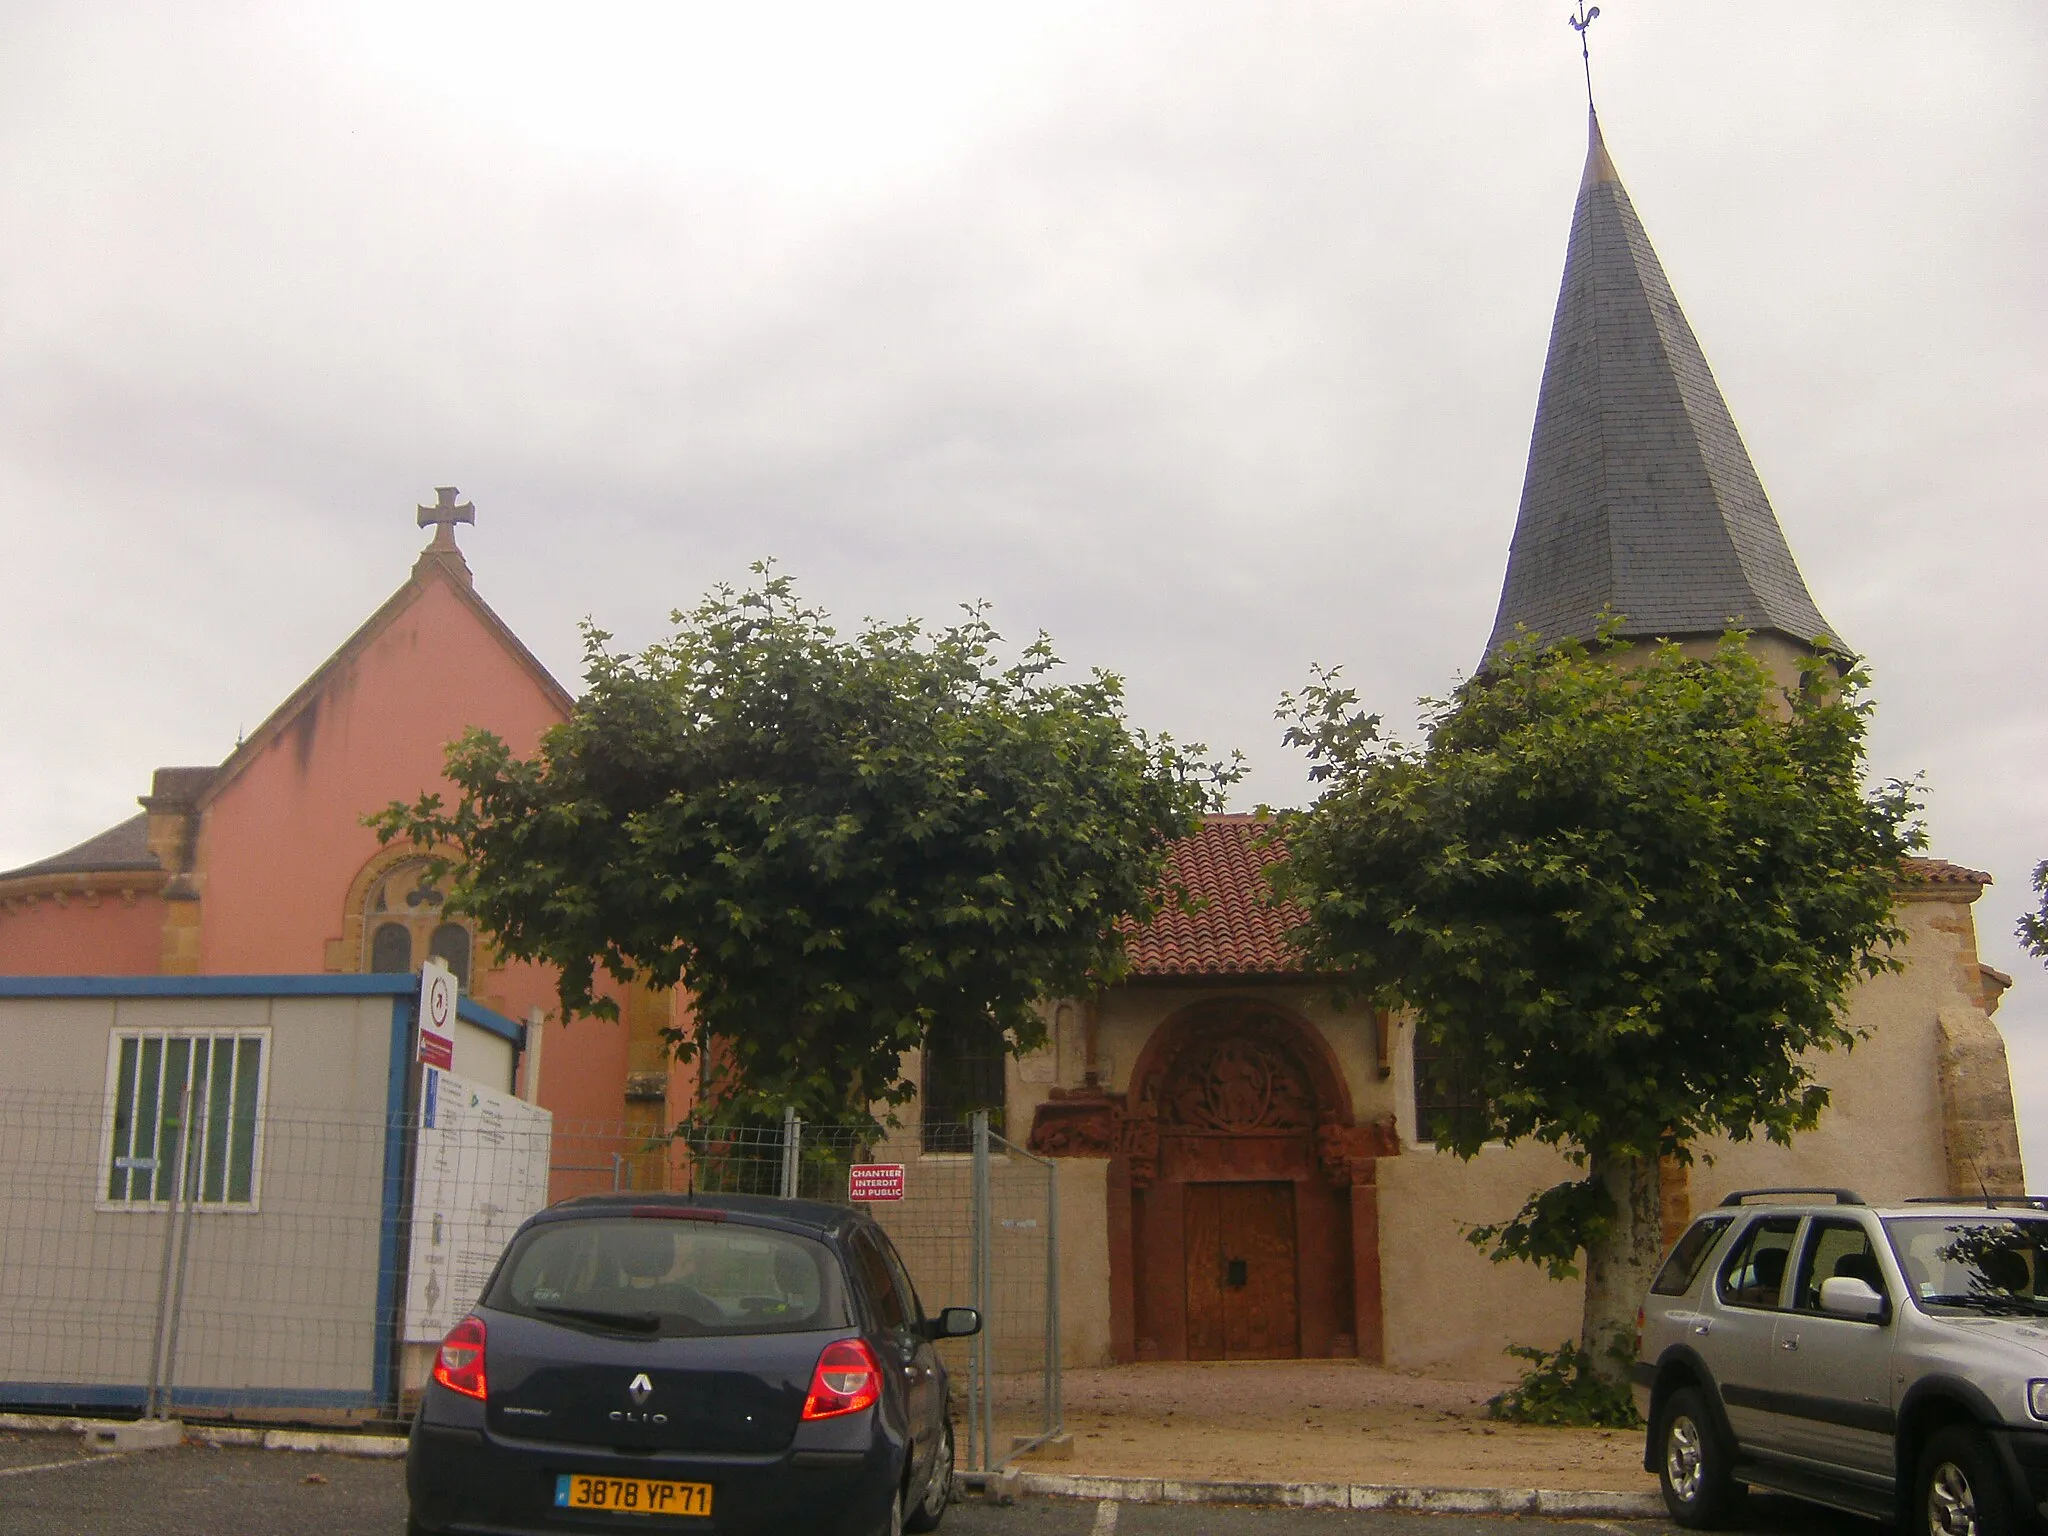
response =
{"points": [[1204, 336]]}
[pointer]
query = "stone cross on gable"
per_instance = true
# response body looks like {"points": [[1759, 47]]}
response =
{"points": [[444, 514]]}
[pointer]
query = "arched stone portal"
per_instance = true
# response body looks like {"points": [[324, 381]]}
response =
{"points": [[1242, 1214]]}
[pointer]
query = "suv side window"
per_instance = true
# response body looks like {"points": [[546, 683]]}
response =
{"points": [[1835, 1245], [1683, 1267], [1755, 1271], [879, 1283]]}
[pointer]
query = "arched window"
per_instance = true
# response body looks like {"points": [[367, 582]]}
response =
{"points": [[963, 1072], [451, 947], [405, 922], [391, 949]]}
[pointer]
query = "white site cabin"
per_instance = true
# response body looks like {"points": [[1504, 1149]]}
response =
{"points": [[345, 1200]]}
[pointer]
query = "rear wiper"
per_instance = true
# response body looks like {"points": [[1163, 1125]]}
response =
{"points": [[631, 1322]]}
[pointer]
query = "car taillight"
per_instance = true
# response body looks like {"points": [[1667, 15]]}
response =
{"points": [[460, 1365], [1639, 1333], [846, 1380]]}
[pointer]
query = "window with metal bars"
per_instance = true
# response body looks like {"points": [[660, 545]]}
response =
{"points": [[1446, 1093], [963, 1072], [186, 1110]]}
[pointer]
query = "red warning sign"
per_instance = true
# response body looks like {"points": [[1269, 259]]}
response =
{"points": [[438, 1001], [875, 1181]]}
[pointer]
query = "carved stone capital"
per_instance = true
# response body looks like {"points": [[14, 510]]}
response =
{"points": [[1347, 1152], [1075, 1123]]}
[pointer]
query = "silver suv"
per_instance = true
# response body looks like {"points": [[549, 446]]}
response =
{"points": [[1887, 1361]]}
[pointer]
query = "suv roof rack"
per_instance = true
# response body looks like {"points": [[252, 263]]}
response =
{"points": [[2024, 1202], [1839, 1196]]}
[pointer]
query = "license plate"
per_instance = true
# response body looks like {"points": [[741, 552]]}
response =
{"points": [[631, 1495]]}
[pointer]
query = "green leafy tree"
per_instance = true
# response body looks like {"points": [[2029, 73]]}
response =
{"points": [[2033, 929], [1625, 893], [836, 844]]}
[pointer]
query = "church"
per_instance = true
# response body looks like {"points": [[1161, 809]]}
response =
{"points": [[260, 865], [1247, 1173], [1243, 1170]]}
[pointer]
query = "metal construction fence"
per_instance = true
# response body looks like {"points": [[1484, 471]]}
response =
{"points": [[210, 1258]]}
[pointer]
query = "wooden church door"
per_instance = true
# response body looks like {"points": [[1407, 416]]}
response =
{"points": [[1241, 1272]]}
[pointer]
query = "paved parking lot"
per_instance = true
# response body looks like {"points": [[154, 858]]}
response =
{"points": [[49, 1486]]}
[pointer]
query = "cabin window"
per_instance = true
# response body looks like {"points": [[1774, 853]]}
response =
{"points": [[185, 1109]]}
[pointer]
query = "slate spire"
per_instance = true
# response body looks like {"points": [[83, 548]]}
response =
{"points": [[1639, 496]]}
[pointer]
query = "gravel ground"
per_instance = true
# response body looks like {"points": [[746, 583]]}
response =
{"points": [[1261, 1387], [1325, 1421]]}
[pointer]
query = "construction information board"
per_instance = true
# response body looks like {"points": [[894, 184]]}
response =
{"points": [[481, 1169], [875, 1181]]}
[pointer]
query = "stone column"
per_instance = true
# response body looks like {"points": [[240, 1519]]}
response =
{"points": [[1979, 1131]]}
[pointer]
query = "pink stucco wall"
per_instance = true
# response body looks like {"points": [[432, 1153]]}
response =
{"points": [[282, 843], [583, 1064], [114, 938]]}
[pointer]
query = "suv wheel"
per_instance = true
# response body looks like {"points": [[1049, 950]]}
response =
{"points": [[938, 1489], [1693, 1463], [1959, 1489]]}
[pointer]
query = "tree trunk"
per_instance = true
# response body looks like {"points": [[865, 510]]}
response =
{"points": [[1620, 1267]]}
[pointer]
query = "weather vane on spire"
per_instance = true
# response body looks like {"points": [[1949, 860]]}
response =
{"points": [[1579, 24]]}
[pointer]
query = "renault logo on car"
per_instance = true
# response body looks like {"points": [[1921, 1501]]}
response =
{"points": [[640, 1389]]}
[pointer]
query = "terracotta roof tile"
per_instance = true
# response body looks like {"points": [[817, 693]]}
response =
{"points": [[1940, 872], [1238, 930]]}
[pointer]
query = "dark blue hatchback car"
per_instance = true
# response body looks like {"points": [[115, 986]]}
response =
{"points": [[690, 1363]]}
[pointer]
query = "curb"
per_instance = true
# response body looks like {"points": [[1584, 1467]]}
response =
{"points": [[374, 1446], [255, 1439], [1557, 1503]]}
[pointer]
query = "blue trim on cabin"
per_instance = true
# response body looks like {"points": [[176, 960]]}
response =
{"points": [[483, 1018], [389, 1217], [406, 984], [323, 985], [65, 1394]]}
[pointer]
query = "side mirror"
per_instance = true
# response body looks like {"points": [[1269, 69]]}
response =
{"points": [[953, 1323], [1847, 1296]]}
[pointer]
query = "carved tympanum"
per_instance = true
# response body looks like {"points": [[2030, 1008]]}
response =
{"points": [[1237, 1085]]}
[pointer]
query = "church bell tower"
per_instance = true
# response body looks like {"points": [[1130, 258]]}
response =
{"points": [[1639, 498]]}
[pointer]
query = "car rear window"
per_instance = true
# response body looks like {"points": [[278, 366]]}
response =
{"points": [[669, 1277], [1683, 1267]]}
